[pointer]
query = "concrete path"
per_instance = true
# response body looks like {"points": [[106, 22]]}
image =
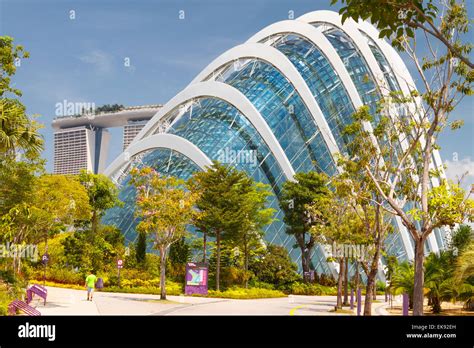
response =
{"points": [[73, 302]]}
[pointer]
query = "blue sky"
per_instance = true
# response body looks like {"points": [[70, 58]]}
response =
{"points": [[82, 59]]}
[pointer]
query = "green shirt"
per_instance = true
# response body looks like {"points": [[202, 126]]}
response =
{"points": [[90, 280]]}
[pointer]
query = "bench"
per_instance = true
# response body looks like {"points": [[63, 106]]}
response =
{"points": [[22, 306], [36, 290]]}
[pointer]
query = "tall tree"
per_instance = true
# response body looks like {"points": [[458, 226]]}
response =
{"points": [[20, 147], [58, 201], [220, 216], [63, 200], [17, 181], [103, 195], [307, 189], [354, 187], [333, 221], [165, 208], [10, 55], [255, 216], [407, 143], [18, 132]]}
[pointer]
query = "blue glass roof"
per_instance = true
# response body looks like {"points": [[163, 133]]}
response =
{"points": [[281, 106], [323, 82]]}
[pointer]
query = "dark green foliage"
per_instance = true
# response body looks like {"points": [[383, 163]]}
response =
{"points": [[275, 267], [179, 252], [109, 108], [140, 248], [99, 251], [307, 189], [74, 247], [461, 238]]}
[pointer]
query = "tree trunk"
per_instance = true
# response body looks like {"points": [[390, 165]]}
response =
{"points": [[418, 295], [308, 262], [346, 283], [368, 296], [218, 266], [356, 281], [339, 283], [300, 238], [371, 281], [163, 273], [246, 262], [304, 262], [436, 303], [204, 238]]}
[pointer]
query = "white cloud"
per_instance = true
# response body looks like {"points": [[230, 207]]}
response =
{"points": [[456, 169], [99, 59]]}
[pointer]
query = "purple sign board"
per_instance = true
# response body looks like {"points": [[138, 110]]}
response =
{"points": [[196, 278]]}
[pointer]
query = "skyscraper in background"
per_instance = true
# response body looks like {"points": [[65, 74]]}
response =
{"points": [[82, 142]]}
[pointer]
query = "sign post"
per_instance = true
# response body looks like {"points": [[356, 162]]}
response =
{"points": [[119, 266], [405, 304], [196, 278], [359, 302], [44, 260], [352, 298]]}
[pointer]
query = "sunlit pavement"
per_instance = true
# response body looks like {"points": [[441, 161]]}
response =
{"points": [[73, 302]]}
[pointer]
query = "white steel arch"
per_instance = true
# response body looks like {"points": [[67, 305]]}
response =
{"points": [[350, 28], [315, 36], [162, 140], [234, 97], [283, 64]]}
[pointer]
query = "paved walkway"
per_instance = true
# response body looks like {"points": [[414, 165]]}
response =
{"points": [[73, 302]]}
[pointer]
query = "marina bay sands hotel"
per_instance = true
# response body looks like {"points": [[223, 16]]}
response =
{"points": [[82, 141]]}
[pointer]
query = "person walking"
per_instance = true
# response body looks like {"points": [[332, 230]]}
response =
{"points": [[90, 283]]}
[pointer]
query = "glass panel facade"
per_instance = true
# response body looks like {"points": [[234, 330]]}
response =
{"points": [[284, 111], [355, 64], [383, 64], [323, 82]]}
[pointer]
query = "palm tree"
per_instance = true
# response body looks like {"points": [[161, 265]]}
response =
{"points": [[17, 131], [403, 280], [438, 279], [464, 275]]}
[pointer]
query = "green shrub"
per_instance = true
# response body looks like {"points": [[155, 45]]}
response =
{"points": [[327, 280], [59, 275], [253, 283], [58, 285], [380, 286], [275, 267], [172, 288], [298, 288], [5, 300], [242, 293]]}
